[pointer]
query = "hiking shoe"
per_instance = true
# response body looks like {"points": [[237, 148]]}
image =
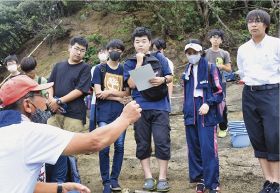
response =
{"points": [[115, 186], [107, 188], [274, 188], [163, 186], [200, 187], [266, 187], [150, 184], [222, 133]]}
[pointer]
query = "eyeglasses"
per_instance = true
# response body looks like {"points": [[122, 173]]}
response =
{"points": [[79, 50], [32, 94], [216, 37], [256, 21]]}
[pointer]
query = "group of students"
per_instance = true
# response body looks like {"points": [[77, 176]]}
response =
{"points": [[203, 109]]}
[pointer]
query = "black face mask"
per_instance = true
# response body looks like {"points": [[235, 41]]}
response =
{"points": [[114, 55]]}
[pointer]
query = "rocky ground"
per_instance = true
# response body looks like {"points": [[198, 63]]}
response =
{"points": [[239, 170]]}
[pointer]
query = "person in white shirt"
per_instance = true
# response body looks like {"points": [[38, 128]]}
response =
{"points": [[258, 61], [26, 145]]}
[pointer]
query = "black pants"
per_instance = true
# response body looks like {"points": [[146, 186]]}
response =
{"points": [[260, 108], [156, 123], [223, 125]]}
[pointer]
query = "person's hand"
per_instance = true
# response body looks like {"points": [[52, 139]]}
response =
{"points": [[157, 81], [53, 105], [126, 99], [203, 110], [131, 112], [220, 66], [69, 186], [140, 57], [103, 94]]}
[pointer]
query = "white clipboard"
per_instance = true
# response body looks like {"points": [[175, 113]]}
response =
{"points": [[141, 76]]}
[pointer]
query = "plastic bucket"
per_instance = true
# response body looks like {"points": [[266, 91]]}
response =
{"points": [[238, 134]]}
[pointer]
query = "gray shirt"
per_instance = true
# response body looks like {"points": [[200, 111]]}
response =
{"points": [[215, 57]]}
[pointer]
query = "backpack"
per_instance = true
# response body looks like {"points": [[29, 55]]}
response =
{"points": [[155, 93], [103, 69]]}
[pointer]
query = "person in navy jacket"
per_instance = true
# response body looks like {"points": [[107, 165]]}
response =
{"points": [[202, 112]]}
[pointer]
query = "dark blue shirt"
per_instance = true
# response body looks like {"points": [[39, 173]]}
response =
{"points": [[162, 104], [68, 77], [108, 110]]}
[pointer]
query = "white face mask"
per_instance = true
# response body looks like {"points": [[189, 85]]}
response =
{"points": [[102, 57], [193, 59], [12, 68]]}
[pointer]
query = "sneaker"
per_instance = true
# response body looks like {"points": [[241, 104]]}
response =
{"points": [[115, 186], [107, 188], [222, 133], [274, 188], [266, 187], [217, 190], [150, 184], [163, 186], [200, 187]]}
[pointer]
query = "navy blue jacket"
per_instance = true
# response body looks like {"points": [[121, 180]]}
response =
{"points": [[212, 93]]}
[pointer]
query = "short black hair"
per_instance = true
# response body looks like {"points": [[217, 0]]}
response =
{"points": [[10, 58], [260, 14], [140, 32], [79, 40], [115, 43], [196, 41], [159, 43], [216, 32], [28, 63]]}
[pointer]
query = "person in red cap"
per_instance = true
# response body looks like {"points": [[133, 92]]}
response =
{"points": [[26, 145]]}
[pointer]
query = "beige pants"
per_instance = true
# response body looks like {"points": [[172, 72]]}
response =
{"points": [[67, 123]]}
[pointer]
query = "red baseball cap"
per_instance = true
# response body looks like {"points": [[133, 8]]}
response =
{"points": [[17, 87]]}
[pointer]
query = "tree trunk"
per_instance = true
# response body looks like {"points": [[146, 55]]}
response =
{"points": [[203, 9]]}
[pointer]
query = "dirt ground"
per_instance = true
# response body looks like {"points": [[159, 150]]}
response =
{"points": [[239, 170]]}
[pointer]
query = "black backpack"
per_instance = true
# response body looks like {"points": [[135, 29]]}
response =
{"points": [[155, 93]]}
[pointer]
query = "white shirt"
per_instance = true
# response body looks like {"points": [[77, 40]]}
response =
{"points": [[259, 64], [196, 92], [23, 150], [171, 65]]}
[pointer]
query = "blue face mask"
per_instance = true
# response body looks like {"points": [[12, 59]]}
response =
{"points": [[40, 116]]}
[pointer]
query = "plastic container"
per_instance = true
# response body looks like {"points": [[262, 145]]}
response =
{"points": [[238, 134]]}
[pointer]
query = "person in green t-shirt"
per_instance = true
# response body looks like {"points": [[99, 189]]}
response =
{"points": [[28, 66]]}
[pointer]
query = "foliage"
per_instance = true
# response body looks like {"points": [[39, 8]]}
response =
{"points": [[96, 42], [23, 20], [173, 19]]}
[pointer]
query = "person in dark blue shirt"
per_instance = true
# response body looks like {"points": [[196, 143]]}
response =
{"points": [[155, 115], [71, 83], [110, 92]]}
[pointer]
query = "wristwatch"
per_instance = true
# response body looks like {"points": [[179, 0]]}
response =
{"points": [[59, 187], [58, 101]]}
